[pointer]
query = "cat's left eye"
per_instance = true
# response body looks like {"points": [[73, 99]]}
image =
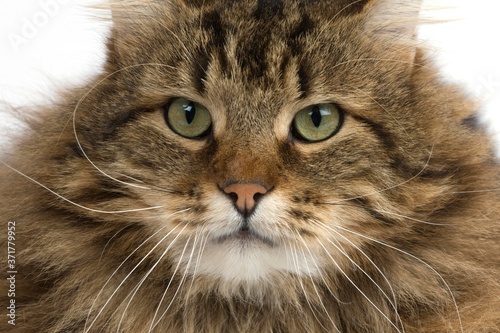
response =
{"points": [[317, 122], [187, 118]]}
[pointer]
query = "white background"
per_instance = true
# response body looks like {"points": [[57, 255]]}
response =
{"points": [[46, 45]]}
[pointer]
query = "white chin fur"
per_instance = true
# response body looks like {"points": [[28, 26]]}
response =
{"points": [[238, 262], [246, 261]]}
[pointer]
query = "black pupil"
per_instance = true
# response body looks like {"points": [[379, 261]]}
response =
{"points": [[316, 116], [190, 112]]}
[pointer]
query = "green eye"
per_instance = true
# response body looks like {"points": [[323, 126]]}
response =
{"points": [[317, 122], [187, 118]]}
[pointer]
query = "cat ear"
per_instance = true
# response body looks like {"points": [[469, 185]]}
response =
{"points": [[393, 18], [393, 24], [133, 21]]}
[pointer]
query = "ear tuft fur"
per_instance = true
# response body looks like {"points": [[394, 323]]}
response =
{"points": [[393, 19], [392, 25], [131, 23]]}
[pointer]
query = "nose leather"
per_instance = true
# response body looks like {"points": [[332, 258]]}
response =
{"points": [[244, 195]]}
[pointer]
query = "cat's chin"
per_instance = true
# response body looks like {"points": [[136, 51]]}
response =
{"points": [[245, 238], [245, 257]]}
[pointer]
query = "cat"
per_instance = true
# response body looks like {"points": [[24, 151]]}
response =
{"points": [[255, 166]]}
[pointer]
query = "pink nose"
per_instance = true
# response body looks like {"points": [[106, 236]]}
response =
{"points": [[245, 195]]}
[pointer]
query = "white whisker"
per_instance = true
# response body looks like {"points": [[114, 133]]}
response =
{"points": [[339, 247], [410, 218], [183, 279], [109, 241], [153, 324], [113, 274], [295, 259], [312, 280], [129, 274], [419, 260], [198, 259], [141, 282], [131, 178], [394, 300], [151, 187], [356, 286], [76, 204]]}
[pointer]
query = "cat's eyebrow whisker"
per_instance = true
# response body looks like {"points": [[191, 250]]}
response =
{"points": [[379, 105], [390, 187], [459, 317], [153, 323], [312, 280], [76, 204], [340, 248], [87, 329], [356, 286], [326, 25], [73, 118]]}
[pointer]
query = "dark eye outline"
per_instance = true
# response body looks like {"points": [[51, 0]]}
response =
{"points": [[296, 134], [166, 110]]}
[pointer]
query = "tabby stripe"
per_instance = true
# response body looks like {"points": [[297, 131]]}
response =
{"points": [[200, 66], [304, 81], [398, 162], [212, 23], [268, 8], [109, 126], [383, 135], [363, 203], [304, 26]]}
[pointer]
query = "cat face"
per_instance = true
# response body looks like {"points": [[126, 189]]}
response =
{"points": [[259, 141]]}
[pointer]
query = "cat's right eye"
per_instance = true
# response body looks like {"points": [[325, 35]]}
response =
{"points": [[187, 118]]}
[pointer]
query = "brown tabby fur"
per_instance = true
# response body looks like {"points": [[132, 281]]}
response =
{"points": [[399, 210]]}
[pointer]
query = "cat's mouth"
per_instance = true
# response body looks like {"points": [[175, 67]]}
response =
{"points": [[245, 236]]}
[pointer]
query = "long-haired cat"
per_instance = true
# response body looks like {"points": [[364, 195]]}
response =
{"points": [[256, 166]]}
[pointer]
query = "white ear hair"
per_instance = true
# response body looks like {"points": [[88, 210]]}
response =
{"points": [[392, 25], [393, 18]]}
